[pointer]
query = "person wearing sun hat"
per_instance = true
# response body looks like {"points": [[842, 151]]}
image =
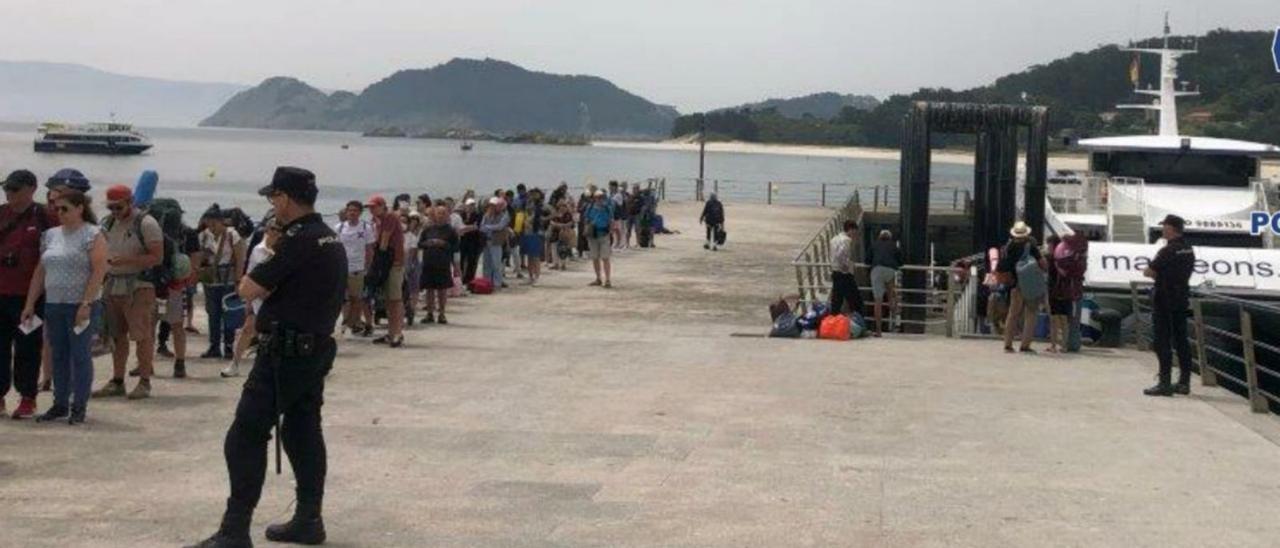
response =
{"points": [[1021, 244], [135, 246]]}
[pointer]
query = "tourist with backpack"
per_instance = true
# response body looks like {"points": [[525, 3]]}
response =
{"points": [[182, 250], [1022, 270], [22, 221], [599, 225], [135, 248], [223, 251], [713, 217]]}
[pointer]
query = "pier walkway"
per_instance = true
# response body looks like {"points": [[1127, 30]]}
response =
{"points": [[572, 416]]}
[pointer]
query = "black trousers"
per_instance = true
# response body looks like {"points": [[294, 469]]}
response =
{"points": [[1170, 335], [844, 290], [711, 231], [470, 261], [301, 392], [19, 354]]}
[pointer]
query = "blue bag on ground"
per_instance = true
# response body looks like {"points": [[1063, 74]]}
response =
{"points": [[813, 318], [786, 326], [858, 327]]}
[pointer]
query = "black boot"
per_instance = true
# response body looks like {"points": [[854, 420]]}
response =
{"points": [[306, 527], [1183, 388], [77, 414], [1162, 388], [54, 413], [234, 532], [179, 369]]}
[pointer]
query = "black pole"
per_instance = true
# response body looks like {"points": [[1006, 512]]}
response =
{"points": [[702, 154]]}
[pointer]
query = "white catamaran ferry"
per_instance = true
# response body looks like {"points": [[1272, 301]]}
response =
{"points": [[1134, 181], [104, 138]]}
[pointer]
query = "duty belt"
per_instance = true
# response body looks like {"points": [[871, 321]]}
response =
{"points": [[291, 344]]}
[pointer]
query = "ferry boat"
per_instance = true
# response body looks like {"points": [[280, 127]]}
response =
{"points": [[1134, 181], [105, 138]]}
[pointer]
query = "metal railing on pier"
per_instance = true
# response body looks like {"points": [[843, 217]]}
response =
{"points": [[813, 275], [1223, 332]]}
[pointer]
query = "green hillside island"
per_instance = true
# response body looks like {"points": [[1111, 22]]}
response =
{"points": [[472, 96], [1240, 99]]}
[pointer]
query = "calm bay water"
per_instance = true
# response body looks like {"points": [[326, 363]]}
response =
{"points": [[227, 166]]}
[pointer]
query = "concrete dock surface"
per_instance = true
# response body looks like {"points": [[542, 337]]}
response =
{"points": [[564, 415]]}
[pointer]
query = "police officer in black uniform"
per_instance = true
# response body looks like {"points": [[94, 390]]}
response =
{"points": [[1171, 269], [303, 286]]}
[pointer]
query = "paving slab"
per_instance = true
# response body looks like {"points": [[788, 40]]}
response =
{"points": [[569, 416]]}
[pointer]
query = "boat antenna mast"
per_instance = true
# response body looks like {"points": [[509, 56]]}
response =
{"points": [[1166, 97]]}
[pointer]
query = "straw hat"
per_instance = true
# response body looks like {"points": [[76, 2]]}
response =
{"points": [[1020, 230]]}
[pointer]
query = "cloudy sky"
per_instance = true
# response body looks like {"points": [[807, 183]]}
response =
{"points": [[694, 54]]}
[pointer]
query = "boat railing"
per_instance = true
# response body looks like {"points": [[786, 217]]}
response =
{"points": [[1223, 332]]}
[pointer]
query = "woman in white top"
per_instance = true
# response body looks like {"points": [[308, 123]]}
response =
{"points": [[223, 250], [73, 262], [261, 252]]}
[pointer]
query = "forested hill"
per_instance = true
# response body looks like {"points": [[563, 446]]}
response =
{"points": [[476, 95], [1240, 98]]}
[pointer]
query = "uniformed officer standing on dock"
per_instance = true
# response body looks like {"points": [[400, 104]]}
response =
{"points": [[303, 285], [1171, 269]]}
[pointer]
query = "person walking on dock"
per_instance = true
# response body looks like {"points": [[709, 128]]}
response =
{"points": [[1171, 270], [713, 218], [135, 247], [1023, 269], [844, 286]]}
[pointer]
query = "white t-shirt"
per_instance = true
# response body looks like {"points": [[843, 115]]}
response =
{"points": [[259, 255], [455, 220], [355, 239], [209, 245]]}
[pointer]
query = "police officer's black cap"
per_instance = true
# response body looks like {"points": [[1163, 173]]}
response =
{"points": [[293, 182], [1175, 222], [19, 179]]}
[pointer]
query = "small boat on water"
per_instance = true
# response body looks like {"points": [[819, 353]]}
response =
{"points": [[466, 145], [103, 138]]}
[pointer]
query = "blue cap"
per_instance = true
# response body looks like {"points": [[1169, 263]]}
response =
{"points": [[69, 178]]}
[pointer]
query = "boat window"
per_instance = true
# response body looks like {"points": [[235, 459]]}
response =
{"points": [[1178, 168]]}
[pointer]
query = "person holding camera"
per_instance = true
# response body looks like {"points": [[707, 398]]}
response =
{"points": [[302, 286], [22, 221], [135, 247]]}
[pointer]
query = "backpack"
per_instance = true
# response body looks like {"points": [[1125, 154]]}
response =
{"points": [[1069, 261], [785, 326], [1031, 280], [518, 226], [163, 274]]}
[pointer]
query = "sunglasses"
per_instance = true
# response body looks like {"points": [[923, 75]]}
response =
{"points": [[116, 207]]}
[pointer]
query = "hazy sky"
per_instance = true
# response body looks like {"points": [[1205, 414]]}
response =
{"points": [[692, 54]]}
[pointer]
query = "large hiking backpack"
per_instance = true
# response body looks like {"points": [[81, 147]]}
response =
{"points": [[1070, 258], [1031, 280], [162, 275]]}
